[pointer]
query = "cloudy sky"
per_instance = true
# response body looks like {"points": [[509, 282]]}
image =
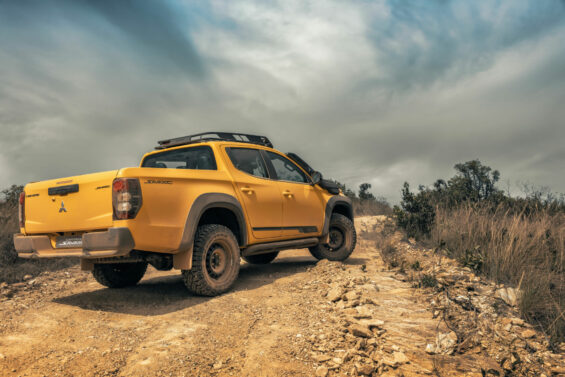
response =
{"points": [[366, 91]]}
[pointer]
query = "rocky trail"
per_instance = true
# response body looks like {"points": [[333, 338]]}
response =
{"points": [[294, 317]]}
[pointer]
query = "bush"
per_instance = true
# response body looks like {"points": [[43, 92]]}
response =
{"points": [[8, 224], [428, 281], [390, 255], [416, 214]]}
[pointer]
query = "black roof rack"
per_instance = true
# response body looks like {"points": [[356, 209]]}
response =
{"points": [[214, 136]]}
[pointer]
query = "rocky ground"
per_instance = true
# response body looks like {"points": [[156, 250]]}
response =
{"points": [[392, 309]]}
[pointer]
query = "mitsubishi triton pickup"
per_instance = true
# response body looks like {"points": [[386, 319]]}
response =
{"points": [[197, 203]]}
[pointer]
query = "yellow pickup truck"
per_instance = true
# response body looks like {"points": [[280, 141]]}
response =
{"points": [[197, 203]]}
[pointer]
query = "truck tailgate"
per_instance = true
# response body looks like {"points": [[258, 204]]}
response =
{"points": [[83, 202]]}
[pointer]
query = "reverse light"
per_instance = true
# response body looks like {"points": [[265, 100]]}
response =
{"points": [[21, 209], [126, 198]]}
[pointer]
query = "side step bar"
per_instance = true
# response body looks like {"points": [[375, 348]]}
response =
{"points": [[279, 245]]}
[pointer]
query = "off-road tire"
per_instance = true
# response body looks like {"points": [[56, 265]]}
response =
{"points": [[119, 275], [213, 245], [340, 250], [261, 258]]}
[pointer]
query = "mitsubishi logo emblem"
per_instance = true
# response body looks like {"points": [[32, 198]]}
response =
{"points": [[62, 209]]}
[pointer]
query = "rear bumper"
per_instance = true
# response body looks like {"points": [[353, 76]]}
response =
{"points": [[114, 242]]}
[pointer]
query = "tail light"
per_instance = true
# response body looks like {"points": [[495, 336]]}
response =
{"points": [[126, 198], [22, 209]]}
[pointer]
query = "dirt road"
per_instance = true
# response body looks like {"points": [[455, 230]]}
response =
{"points": [[278, 321]]}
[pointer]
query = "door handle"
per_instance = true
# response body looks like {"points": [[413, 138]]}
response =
{"points": [[247, 190], [287, 193]]}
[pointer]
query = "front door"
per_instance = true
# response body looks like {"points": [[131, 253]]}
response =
{"points": [[303, 204], [260, 195]]}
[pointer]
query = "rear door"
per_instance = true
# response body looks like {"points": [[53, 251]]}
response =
{"points": [[260, 196], [303, 204]]}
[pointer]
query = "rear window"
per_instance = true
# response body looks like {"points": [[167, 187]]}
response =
{"points": [[200, 158]]}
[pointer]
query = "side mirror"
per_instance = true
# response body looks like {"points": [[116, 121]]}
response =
{"points": [[316, 177]]}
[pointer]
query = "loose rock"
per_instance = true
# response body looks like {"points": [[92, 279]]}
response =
{"points": [[322, 371], [528, 333], [360, 331], [508, 295], [351, 296], [364, 369], [334, 294]]}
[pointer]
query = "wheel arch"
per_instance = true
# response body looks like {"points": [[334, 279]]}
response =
{"points": [[210, 208], [337, 204]]}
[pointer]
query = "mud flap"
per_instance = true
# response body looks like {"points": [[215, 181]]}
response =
{"points": [[183, 260]]}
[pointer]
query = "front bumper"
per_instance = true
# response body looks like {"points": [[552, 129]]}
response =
{"points": [[114, 242]]}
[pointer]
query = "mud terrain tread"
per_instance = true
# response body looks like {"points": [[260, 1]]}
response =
{"points": [[108, 277], [321, 252], [261, 258], [194, 279]]}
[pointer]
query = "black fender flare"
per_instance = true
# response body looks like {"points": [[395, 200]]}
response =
{"points": [[330, 205], [182, 259]]}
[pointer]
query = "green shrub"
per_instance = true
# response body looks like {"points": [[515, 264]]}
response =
{"points": [[473, 258], [416, 214], [428, 281]]}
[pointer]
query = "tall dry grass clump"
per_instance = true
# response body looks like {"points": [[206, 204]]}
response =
{"points": [[524, 251]]}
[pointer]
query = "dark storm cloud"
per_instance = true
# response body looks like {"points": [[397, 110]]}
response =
{"points": [[82, 78], [155, 28], [377, 91], [421, 42], [151, 29]]}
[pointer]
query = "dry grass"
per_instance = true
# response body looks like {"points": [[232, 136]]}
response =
{"points": [[527, 252], [371, 207]]}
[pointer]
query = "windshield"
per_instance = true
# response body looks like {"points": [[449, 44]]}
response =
{"points": [[201, 158]]}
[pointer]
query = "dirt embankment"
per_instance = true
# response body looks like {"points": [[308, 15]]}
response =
{"points": [[293, 317]]}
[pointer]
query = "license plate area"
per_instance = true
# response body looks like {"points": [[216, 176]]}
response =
{"points": [[68, 242]]}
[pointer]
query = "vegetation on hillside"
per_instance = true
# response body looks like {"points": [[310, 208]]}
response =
{"points": [[8, 223], [515, 241], [364, 202], [13, 269]]}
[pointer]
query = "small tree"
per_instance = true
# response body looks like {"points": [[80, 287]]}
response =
{"points": [[364, 193], [473, 182], [416, 213]]}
